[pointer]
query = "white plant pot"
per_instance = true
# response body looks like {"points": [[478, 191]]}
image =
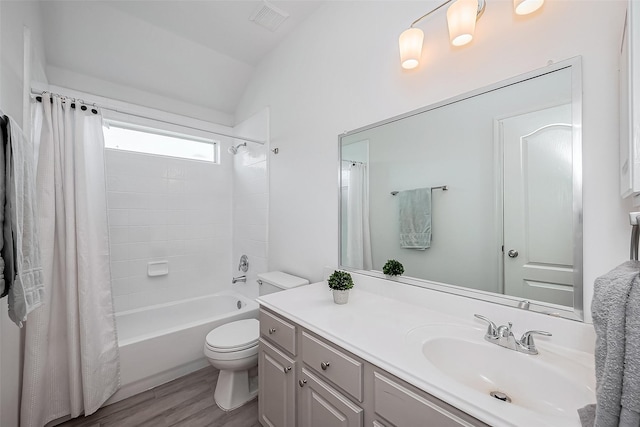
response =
{"points": [[340, 297]]}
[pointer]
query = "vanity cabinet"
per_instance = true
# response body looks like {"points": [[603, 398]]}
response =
{"points": [[629, 91], [328, 386]]}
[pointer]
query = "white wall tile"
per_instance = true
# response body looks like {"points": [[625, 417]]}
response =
{"points": [[138, 233], [165, 209], [251, 200], [118, 217], [118, 234]]}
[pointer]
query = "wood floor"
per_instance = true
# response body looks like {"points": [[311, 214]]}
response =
{"points": [[185, 402]]}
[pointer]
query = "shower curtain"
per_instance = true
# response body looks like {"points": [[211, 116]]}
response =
{"points": [[71, 362], [358, 232]]}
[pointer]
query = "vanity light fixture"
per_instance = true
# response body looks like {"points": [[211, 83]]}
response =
{"points": [[525, 7], [461, 20]]}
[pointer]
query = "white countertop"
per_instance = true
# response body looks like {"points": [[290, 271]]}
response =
{"points": [[377, 329]]}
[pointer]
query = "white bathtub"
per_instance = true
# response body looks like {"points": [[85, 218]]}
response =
{"points": [[163, 342]]}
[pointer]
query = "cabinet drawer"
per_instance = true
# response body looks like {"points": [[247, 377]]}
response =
{"points": [[278, 331], [405, 408], [333, 365]]}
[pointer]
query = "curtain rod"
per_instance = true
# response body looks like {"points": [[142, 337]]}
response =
{"points": [[38, 97], [73, 104]]}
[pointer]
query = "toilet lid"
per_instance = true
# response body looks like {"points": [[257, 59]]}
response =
{"points": [[240, 334]]}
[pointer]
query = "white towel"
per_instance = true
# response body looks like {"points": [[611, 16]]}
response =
{"points": [[415, 218], [27, 288]]}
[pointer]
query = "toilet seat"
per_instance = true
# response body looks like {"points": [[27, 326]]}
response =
{"points": [[234, 336]]}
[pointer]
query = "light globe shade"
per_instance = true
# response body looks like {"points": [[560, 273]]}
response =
{"points": [[525, 7], [411, 47], [461, 19]]}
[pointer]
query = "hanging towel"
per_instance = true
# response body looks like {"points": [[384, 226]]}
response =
{"points": [[415, 218], [4, 283], [616, 320], [27, 288]]}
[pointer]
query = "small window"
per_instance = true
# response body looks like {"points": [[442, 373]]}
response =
{"points": [[153, 141]]}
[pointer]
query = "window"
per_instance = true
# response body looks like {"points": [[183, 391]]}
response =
{"points": [[121, 136]]}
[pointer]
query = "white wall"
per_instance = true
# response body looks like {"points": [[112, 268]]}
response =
{"points": [[341, 71], [251, 201], [93, 85], [168, 209], [14, 16]]}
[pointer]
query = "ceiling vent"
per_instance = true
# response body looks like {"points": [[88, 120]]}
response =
{"points": [[269, 16]]}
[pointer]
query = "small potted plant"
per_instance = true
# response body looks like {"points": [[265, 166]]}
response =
{"points": [[340, 282], [393, 268]]}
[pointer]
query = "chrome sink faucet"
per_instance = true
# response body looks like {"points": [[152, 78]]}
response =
{"points": [[502, 336]]}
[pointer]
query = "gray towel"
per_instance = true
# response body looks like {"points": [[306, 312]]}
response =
{"points": [[415, 218], [4, 284], [27, 288], [587, 415], [616, 319]]}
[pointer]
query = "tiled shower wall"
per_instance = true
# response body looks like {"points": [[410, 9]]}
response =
{"points": [[251, 202], [168, 209], [251, 194]]}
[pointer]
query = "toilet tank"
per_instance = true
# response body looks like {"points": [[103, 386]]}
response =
{"points": [[276, 281]]}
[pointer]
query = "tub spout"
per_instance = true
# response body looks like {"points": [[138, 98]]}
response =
{"points": [[242, 279]]}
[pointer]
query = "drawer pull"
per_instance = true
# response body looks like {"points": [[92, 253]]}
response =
{"points": [[324, 365], [287, 369], [301, 383], [272, 331]]}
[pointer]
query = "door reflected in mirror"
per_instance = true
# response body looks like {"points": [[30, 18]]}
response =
{"points": [[508, 226]]}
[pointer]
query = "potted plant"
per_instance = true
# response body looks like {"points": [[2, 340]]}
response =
{"points": [[393, 268], [340, 282]]}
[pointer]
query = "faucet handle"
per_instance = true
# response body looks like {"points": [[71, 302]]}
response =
{"points": [[527, 340], [492, 329]]}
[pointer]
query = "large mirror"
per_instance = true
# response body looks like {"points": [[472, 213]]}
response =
{"points": [[480, 195]]}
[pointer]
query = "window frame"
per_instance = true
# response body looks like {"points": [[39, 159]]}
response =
{"points": [[161, 128]]}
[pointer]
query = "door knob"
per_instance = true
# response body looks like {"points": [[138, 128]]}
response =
{"points": [[513, 253], [324, 365]]}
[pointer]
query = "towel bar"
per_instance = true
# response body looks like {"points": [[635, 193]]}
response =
{"points": [[635, 235], [441, 187]]}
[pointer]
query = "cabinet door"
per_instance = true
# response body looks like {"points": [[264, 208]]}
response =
{"points": [[323, 406], [276, 399]]}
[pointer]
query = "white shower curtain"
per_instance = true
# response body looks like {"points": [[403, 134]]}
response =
{"points": [[358, 232], [71, 362]]}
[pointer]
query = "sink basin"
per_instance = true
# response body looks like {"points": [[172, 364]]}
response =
{"points": [[551, 383]]}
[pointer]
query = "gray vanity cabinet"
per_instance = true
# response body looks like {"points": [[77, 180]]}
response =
{"points": [[307, 381]]}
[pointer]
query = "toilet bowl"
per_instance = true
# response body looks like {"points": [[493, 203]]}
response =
{"points": [[233, 348]]}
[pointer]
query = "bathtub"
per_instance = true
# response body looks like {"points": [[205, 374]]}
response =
{"points": [[163, 342]]}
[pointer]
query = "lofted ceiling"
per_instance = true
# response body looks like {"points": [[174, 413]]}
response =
{"points": [[199, 52]]}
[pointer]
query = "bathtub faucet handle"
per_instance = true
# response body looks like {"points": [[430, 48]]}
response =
{"points": [[244, 264]]}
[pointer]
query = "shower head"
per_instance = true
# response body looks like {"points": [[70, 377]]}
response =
{"points": [[234, 148]]}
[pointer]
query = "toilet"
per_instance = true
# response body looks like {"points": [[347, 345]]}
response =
{"points": [[233, 348]]}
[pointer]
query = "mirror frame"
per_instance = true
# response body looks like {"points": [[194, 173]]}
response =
{"points": [[573, 313]]}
